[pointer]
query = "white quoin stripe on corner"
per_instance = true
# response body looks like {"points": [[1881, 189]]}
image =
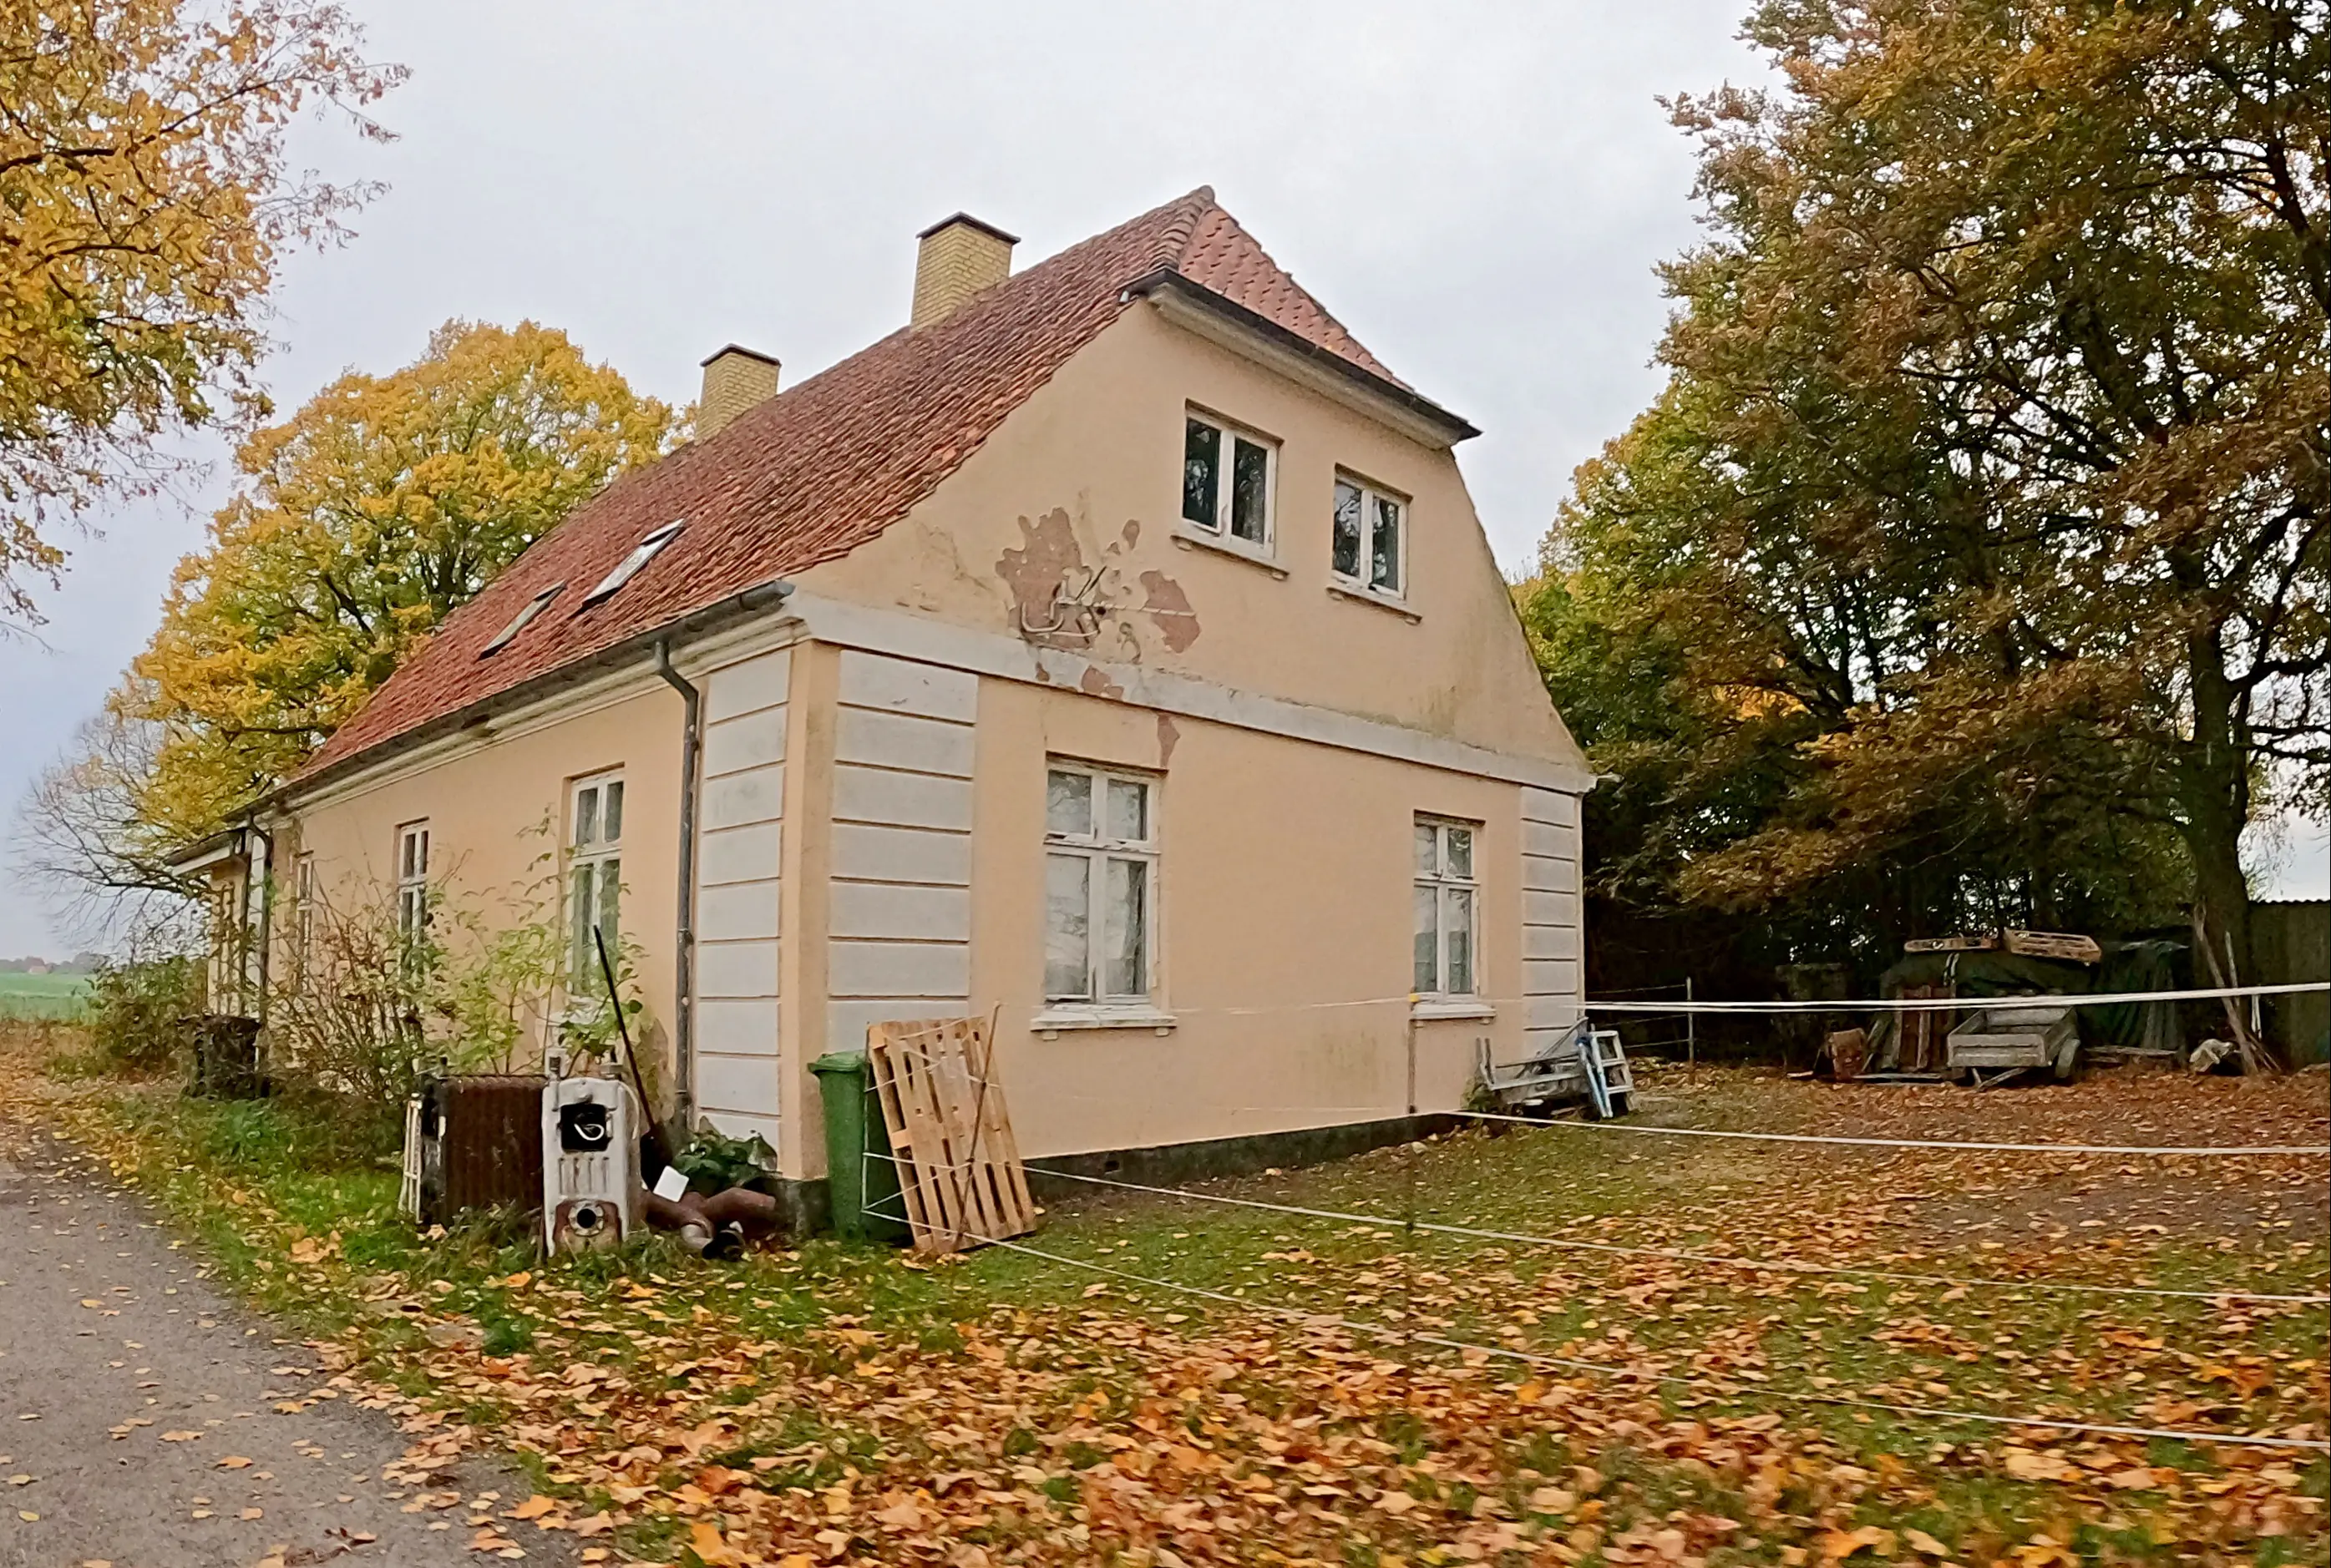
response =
{"points": [[740, 836], [1551, 978], [899, 922]]}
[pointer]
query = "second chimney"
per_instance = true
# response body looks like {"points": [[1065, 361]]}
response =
{"points": [[956, 258], [734, 379]]}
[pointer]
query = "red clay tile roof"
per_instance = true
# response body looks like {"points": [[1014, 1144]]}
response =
{"points": [[819, 470]]}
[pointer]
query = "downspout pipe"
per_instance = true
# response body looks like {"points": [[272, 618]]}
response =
{"points": [[691, 747]]}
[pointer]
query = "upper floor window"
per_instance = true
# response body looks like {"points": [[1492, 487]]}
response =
{"points": [[1371, 536], [629, 566], [413, 880], [594, 878], [1448, 912], [1227, 480], [1100, 886]]}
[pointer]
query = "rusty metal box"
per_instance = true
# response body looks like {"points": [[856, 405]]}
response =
{"points": [[481, 1145]]}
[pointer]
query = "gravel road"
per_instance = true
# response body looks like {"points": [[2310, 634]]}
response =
{"points": [[139, 1425]]}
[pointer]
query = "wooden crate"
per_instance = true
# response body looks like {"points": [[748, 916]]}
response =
{"points": [[959, 1171]]}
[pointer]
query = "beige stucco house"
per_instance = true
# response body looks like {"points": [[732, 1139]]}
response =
{"points": [[1113, 648]]}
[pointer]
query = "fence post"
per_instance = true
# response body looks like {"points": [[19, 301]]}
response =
{"points": [[1690, 1027]]}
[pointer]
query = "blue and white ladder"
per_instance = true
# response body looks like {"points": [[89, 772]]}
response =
{"points": [[1610, 1079]]}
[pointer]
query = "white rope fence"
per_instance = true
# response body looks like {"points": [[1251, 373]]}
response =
{"points": [[1707, 1384], [1959, 1003], [1837, 1004], [2177, 1150], [1677, 1255]]}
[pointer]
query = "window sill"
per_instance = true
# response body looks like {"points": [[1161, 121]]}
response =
{"points": [[1428, 1009], [1052, 1021], [1359, 595], [1191, 539]]}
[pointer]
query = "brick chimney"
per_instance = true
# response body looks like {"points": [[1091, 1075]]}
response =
{"points": [[958, 257], [734, 379]]}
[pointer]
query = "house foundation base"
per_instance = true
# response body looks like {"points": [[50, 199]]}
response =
{"points": [[1174, 1164], [804, 1207]]}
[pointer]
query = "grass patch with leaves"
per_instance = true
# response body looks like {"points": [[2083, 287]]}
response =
{"points": [[853, 1403]]}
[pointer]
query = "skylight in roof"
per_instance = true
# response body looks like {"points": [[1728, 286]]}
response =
{"points": [[629, 566], [518, 623]]}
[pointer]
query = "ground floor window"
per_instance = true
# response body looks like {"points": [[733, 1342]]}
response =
{"points": [[1100, 886], [303, 913], [1448, 910], [413, 880], [594, 879]]}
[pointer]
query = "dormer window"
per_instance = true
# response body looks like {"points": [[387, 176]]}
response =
{"points": [[1226, 481], [520, 622], [629, 566]]}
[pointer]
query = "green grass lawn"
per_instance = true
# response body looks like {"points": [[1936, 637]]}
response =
{"points": [[1695, 1345], [39, 996]]}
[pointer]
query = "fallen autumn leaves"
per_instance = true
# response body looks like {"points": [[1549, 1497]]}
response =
{"points": [[833, 1406]]}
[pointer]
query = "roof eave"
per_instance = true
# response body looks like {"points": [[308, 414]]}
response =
{"points": [[713, 617], [1225, 320], [210, 849]]}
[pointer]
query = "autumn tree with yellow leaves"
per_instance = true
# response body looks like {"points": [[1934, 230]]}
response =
{"points": [[360, 523], [146, 204], [1974, 566]]}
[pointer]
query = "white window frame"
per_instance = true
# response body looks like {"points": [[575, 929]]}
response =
{"points": [[303, 912], [1099, 847], [412, 880], [1218, 532], [629, 566], [594, 870], [1372, 495], [1437, 876], [522, 619]]}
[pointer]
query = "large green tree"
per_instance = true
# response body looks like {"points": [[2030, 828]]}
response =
{"points": [[361, 522], [1980, 532]]}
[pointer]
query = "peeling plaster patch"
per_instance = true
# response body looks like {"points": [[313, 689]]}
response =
{"points": [[1048, 566], [1170, 608], [1132, 532], [1168, 734], [1093, 683]]}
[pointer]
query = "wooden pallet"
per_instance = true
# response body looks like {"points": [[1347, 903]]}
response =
{"points": [[959, 1170], [2064, 944], [1982, 942]]}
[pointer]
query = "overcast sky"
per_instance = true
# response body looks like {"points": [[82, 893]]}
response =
{"points": [[1478, 191]]}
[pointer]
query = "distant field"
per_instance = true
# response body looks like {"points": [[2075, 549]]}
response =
{"points": [[42, 995]]}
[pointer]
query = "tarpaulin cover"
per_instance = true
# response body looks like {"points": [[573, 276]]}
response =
{"points": [[2126, 967]]}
